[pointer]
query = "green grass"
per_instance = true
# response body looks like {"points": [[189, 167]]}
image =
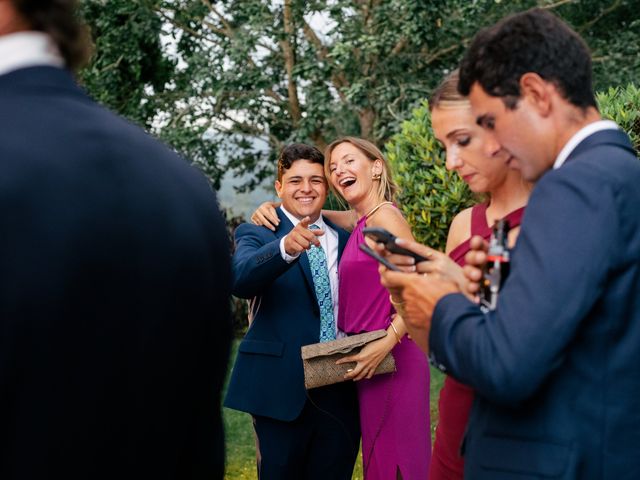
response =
{"points": [[240, 441]]}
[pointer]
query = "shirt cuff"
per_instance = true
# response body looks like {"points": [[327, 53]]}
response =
{"points": [[285, 256]]}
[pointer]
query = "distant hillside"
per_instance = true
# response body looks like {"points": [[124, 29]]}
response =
{"points": [[243, 203]]}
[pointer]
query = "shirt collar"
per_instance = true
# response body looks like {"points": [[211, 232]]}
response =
{"points": [[319, 222], [28, 49], [579, 136]]}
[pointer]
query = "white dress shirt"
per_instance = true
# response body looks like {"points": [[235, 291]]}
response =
{"points": [[329, 243], [28, 49], [579, 136]]}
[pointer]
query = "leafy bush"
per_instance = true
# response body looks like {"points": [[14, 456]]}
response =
{"points": [[239, 309], [622, 105], [430, 196]]}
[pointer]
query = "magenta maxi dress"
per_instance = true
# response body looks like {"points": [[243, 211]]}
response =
{"points": [[394, 407]]}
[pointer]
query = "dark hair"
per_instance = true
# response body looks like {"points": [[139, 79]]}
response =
{"points": [[297, 151], [447, 92], [59, 20], [532, 41]]}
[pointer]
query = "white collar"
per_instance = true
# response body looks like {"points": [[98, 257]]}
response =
{"points": [[28, 49], [319, 221], [579, 136]]}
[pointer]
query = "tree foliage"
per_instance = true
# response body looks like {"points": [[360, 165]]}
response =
{"points": [[219, 79]]}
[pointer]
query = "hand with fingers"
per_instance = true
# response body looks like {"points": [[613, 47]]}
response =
{"points": [[405, 263], [368, 359], [266, 215], [415, 296], [475, 260], [301, 238]]}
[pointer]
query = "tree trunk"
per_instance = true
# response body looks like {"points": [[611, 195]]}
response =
{"points": [[367, 118], [290, 60]]}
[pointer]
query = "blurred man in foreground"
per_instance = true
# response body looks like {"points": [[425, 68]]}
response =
{"points": [[114, 278]]}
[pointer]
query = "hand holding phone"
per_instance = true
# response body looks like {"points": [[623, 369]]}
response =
{"points": [[388, 239], [369, 251]]}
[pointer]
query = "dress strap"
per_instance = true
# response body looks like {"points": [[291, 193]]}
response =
{"points": [[375, 209], [479, 220], [515, 217]]}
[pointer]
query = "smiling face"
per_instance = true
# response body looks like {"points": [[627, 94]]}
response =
{"points": [[471, 151], [352, 173], [303, 189]]}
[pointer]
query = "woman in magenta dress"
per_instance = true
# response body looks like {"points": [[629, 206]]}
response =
{"points": [[480, 161], [394, 408]]}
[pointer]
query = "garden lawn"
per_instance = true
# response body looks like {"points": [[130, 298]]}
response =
{"points": [[240, 442]]}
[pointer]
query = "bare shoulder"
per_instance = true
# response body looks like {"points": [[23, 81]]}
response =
{"points": [[390, 218], [343, 219], [460, 229]]}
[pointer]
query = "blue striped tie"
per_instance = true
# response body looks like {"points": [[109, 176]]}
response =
{"points": [[320, 275]]}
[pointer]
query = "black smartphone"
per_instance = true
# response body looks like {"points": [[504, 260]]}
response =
{"points": [[369, 251], [388, 239]]}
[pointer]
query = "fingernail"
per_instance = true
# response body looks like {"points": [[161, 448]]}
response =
{"points": [[400, 241]]}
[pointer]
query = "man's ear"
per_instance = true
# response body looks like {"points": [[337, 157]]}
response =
{"points": [[278, 187], [537, 91]]}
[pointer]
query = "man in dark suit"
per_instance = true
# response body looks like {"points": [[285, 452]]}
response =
{"points": [[556, 366], [300, 435], [114, 278]]}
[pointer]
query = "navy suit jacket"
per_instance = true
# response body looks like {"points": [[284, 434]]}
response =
{"points": [[556, 367], [114, 294], [268, 378]]}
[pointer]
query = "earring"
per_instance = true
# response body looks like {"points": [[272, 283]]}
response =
{"points": [[376, 176]]}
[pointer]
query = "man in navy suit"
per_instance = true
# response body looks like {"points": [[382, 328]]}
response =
{"points": [[556, 366], [300, 435], [114, 278]]}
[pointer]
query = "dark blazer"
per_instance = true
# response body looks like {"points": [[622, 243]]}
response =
{"points": [[267, 377], [557, 366], [114, 288]]}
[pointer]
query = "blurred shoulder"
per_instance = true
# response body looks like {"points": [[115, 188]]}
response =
{"points": [[460, 229], [390, 217]]}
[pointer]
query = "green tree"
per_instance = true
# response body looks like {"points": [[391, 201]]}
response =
{"points": [[216, 79]]}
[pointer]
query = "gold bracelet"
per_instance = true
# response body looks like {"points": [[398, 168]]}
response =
{"points": [[396, 332], [395, 304]]}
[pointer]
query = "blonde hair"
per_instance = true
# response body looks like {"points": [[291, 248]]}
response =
{"points": [[446, 95], [387, 188]]}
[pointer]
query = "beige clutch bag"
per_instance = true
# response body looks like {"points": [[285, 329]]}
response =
{"points": [[319, 359]]}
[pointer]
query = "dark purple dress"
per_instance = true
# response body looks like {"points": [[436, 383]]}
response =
{"points": [[394, 407], [456, 398]]}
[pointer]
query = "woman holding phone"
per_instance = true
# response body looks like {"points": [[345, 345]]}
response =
{"points": [[394, 408], [485, 167]]}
